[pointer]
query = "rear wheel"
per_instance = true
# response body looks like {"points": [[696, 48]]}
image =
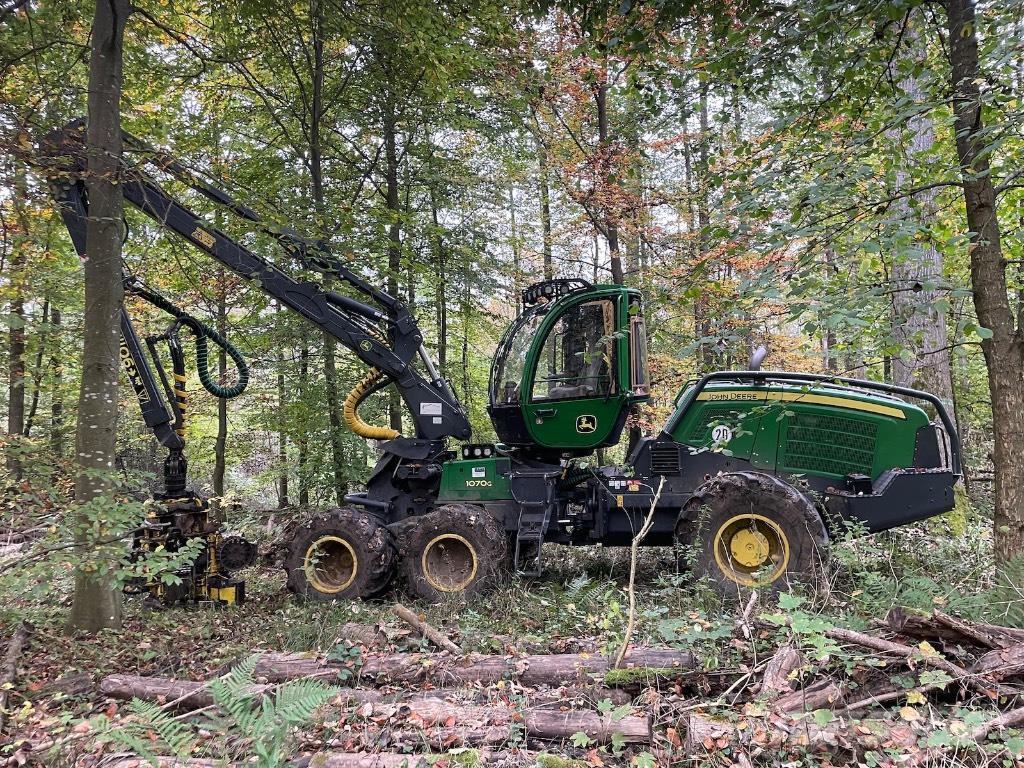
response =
{"points": [[748, 529], [456, 550], [340, 555]]}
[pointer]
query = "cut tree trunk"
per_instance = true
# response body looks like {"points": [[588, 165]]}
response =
{"points": [[438, 722], [824, 694], [440, 669], [189, 695], [776, 679]]}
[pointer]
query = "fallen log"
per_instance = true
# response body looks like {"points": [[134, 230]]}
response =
{"points": [[1001, 663], [986, 687], [351, 760], [952, 629], [444, 670], [9, 670], [165, 762], [369, 635], [76, 684], [826, 694], [188, 694], [424, 713], [776, 678], [752, 736], [426, 630]]}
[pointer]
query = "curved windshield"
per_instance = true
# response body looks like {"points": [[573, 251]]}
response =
{"points": [[507, 371]]}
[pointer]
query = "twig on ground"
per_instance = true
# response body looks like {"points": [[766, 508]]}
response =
{"points": [[631, 591], [430, 633]]}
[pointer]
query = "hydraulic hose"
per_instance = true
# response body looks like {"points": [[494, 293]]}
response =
{"points": [[350, 408], [202, 332]]}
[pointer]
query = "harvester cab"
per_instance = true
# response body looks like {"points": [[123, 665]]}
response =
{"points": [[568, 369]]}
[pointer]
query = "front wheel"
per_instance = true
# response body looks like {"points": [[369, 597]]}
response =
{"points": [[456, 550], [747, 529], [341, 554]]}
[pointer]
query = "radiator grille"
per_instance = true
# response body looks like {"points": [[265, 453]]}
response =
{"points": [[830, 444], [665, 459]]}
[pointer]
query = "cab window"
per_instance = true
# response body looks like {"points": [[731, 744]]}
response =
{"points": [[639, 376], [512, 357], [578, 358]]}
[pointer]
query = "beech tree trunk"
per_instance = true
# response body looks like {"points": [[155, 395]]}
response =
{"points": [[393, 204], [16, 324], [57, 393], [1004, 352], [547, 240], [96, 604], [37, 368], [316, 175], [918, 328], [611, 223], [282, 435], [221, 442]]}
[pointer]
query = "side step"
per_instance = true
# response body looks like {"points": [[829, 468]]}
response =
{"points": [[534, 518]]}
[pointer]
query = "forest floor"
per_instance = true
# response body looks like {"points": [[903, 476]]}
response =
{"points": [[787, 679]]}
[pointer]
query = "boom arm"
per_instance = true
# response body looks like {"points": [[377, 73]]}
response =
{"points": [[388, 339]]}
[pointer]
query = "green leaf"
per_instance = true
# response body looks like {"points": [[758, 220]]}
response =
{"points": [[823, 716]]}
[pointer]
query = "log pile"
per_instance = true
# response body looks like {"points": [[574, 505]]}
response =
{"points": [[773, 708]]}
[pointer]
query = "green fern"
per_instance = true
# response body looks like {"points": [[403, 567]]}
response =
{"points": [[266, 721], [151, 720], [583, 591]]}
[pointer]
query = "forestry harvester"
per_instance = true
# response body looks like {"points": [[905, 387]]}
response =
{"points": [[751, 471]]}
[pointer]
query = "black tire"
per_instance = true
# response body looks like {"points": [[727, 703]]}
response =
{"points": [[457, 550], [751, 530], [340, 555]]}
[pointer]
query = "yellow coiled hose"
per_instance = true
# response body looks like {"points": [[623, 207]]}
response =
{"points": [[350, 409]]}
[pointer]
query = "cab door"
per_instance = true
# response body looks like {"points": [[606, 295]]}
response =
{"points": [[575, 398]]}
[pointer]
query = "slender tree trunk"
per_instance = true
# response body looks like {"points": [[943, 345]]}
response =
{"points": [[1004, 354], [97, 604], [16, 323], [918, 328], [282, 434], [611, 222], [221, 442], [37, 368], [547, 239], [441, 295], [57, 387], [394, 234], [702, 312], [517, 264], [303, 441], [317, 182]]}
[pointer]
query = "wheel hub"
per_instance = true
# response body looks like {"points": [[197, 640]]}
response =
{"points": [[751, 549], [331, 564], [449, 562]]}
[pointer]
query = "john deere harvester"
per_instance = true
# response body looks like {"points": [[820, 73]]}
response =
{"points": [[752, 470]]}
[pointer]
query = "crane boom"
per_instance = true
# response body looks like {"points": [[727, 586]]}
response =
{"points": [[387, 338]]}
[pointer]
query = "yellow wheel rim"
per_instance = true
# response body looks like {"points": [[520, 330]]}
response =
{"points": [[449, 563], [751, 550], [330, 564]]}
